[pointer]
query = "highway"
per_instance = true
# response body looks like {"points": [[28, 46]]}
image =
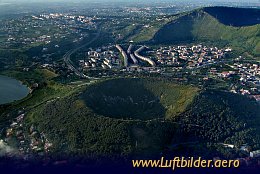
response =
{"points": [[69, 63], [136, 53], [120, 49]]}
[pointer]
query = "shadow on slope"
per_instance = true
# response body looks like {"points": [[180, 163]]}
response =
{"points": [[176, 31], [123, 98], [237, 17], [201, 26]]}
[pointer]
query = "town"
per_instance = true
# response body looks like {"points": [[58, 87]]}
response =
{"points": [[181, 59]]}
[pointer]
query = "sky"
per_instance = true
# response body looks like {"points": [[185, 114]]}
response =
{"points": [[6, 1]]}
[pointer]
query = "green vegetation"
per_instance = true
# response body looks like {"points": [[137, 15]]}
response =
{"points": [[223, 117], [146, 32], [200, 26], [12, 57], [77, 131], [228, 15], [81, 130], [139, 116], [138, 98], [46, 90], [129, 30], [31, 76]]}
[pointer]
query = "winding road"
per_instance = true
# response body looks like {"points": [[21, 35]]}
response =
{"points": [[69, 63]]}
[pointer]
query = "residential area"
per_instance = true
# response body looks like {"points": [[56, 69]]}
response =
{"points": [[242, 78]]}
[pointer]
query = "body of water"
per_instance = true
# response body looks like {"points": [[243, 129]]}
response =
{"points": [[11, 90]]}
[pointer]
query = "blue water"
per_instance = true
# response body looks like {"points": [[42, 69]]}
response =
{"points": [[11, 90]]}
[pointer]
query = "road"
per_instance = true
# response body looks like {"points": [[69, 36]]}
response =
{"points": [[215, 63], [69, 63]]}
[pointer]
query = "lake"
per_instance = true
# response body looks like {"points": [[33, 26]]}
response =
{"points": [[11, 90]]}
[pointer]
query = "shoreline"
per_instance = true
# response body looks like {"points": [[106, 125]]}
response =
{"points": [[22, 83]]}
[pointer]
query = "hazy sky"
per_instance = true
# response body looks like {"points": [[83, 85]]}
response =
{"points": [[6, 1]]}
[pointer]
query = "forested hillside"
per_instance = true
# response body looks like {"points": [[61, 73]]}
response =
{"points": [[224, 117], [213, 116]]}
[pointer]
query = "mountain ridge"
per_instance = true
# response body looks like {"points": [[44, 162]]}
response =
{"points": [[233, 16], [202, 25]]}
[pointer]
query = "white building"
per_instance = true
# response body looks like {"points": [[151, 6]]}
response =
{"points": [[255, 154]]}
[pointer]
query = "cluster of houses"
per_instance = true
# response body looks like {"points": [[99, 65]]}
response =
{"points": [[25, 32], [244, 148], [33, 29], [109, 57], [196, 55], [104, 58], [249, 75], [252, 158], [73, 18], [246, 75], [178, 59], [27, 141]]}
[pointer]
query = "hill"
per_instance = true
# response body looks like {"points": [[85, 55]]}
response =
{"points": [[138, 98], [81, 130], [216, 25], [224, 117], [110, 117]]}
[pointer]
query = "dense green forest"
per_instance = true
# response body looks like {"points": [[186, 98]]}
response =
{"points": [[82, 129], [211, 117], [78, 131], [224, 117]]}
